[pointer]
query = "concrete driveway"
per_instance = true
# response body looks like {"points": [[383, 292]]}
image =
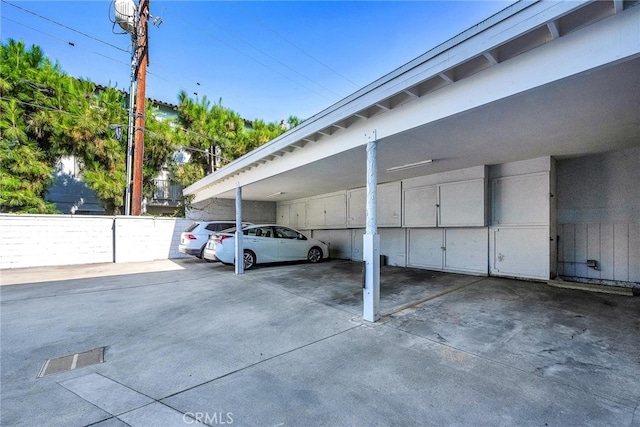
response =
{"points": [[187, 342]]}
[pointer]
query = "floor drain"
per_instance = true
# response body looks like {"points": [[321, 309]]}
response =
{"points": [[71, 362]]}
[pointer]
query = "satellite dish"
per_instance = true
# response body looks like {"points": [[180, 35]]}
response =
{"points": [[125, 11]]}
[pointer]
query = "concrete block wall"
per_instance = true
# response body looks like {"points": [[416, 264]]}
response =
{"points": [[148, 238], [44, 240], [50, 240]]}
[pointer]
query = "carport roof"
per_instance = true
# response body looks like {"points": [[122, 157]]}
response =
{"points": [[536, 79]]}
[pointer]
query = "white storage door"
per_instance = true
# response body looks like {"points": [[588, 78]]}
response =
{"points": [[462, 204], [315, 215], [419, 206], [389, 205], [336, 211], [357, 207], [520, 252], [521, 200], [298, 215], [425, 248], [282, 211], [467, 250]]}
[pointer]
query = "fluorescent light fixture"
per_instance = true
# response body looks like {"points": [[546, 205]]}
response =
{"points": [[409, 166], [275, 194]]}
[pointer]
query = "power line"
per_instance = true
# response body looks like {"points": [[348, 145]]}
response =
{"points": [[67, 42], [73, 44], [156, 75], [272, 58], [263, 24], [42, 107], [259, 62], [65, 26]]}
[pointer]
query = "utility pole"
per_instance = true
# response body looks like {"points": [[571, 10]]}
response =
{"points": [[132, 89], [138, 144]]}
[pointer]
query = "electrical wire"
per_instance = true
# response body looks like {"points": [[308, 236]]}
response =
{"points": [[65, 26], [42, 107], [156, 75], [264, 25], [67, 42], [56, 110], [256, 60], [271, 57]]}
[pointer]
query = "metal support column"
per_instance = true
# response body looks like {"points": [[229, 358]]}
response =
{"points": [[239, 249], [371, 240]]}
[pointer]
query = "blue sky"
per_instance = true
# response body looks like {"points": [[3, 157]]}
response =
{"points": [[265, 60]]}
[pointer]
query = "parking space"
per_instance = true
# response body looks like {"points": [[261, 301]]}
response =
{"points": [[284, 345]]}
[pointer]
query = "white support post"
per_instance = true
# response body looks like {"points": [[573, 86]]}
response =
{"points": [[371, 242], [239, 249]]}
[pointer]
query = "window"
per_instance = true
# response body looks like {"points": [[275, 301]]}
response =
{"points": [[286, 233], [217, 226], [259, 232]]}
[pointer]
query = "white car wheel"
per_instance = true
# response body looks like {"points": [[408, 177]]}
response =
{"points": [[249, 260], [315, 254]]}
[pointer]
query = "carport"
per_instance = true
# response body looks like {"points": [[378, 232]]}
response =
{"points": [[453, 160]]}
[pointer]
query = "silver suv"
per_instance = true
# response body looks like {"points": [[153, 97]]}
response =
{"points": [[194, 239]]}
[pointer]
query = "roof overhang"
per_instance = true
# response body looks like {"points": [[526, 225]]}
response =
{"points": [[537, 79]]}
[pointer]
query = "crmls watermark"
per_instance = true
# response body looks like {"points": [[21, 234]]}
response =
{"points": [[216, 418]]}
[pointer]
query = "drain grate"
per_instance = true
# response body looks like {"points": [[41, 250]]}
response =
{"points": [[71, 362]]}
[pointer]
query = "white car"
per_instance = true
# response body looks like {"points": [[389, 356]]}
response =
{"points": [[194, 239], [265, 243]]}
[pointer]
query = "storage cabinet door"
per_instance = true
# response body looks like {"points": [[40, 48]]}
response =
{"points": [[419, 206], [315, 215], [467, 250], [521, 200], [336, 211], [425, 248], [282, 212], [298, 215], [357, 207], [462, 204], [389, 204], [520, 252]]}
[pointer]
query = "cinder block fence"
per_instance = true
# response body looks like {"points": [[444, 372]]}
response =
{"points": [[47, 240]]}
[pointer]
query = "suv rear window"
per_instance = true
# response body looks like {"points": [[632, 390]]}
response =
{"points": [[191, 227], [217, 226]]}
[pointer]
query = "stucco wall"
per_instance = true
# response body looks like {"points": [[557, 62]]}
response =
{"points": [[48, 240], [599, 216]]}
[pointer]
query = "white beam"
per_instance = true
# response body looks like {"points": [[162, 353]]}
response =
{"points": [[493, 60], [554, 29], [299, 144], [385, 105], [618, 5], [413, 92], [445, 76]]}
